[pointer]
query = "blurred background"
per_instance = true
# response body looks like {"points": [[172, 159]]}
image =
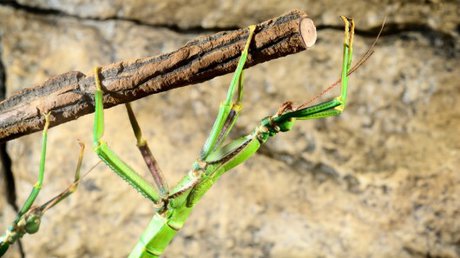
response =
{"points": [[381, 180]]}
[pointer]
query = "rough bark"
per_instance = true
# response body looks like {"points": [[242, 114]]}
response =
{"points": [[70, 95]]}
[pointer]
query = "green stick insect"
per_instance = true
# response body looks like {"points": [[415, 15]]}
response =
{"points": [[29, 217], [175, 204]]}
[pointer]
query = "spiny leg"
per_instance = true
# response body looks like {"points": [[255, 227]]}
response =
{"points": [[228, 113], [335, 106], [228, 110], [149, 159], [108, 156]]}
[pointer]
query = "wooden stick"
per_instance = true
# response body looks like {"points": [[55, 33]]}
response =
{"points": [[71, 95]]}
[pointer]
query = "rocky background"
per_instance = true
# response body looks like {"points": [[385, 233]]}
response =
{"points": [[382, 180]]}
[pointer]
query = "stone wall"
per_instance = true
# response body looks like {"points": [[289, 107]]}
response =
{"points": [[381, 180]]}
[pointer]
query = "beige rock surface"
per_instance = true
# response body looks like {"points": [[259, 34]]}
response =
{"points": [[381, 180], [182, 14]]}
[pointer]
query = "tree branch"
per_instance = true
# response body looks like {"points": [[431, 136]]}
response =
{"points": [[71, 95]]}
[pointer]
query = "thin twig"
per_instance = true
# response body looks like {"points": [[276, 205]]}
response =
{"points": [[71, 95]]}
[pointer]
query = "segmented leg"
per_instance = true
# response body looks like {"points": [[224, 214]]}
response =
{"points": [[335, 106], [109, 157], [149, 159], [226, 118], [41, 171], [230, 109]]}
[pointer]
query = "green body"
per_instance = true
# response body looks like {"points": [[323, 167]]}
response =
{"points": [[176, 204]]}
